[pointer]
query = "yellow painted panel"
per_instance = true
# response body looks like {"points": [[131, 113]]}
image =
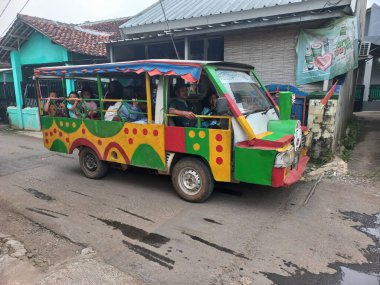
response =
{"points": [[129, 138], [220, 154]]}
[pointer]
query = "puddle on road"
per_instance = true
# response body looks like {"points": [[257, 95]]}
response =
{"points": [[212, 221], [346, 274], [216, 246], [151, 255], [135, 233], [353, 277]]}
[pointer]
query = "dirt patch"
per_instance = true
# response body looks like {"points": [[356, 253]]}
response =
{"points": [[43, 247]]}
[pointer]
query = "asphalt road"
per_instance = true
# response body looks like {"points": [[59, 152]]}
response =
{"points": [[244, 234]]}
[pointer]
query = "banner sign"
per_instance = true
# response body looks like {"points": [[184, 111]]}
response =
{"points": [[327, 52]]}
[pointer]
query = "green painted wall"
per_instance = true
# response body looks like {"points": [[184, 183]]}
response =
{"points": [[40, 49]]}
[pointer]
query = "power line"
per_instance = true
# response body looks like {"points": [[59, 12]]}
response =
{"points": [[171, 34], [27, 1], [5, 8]]}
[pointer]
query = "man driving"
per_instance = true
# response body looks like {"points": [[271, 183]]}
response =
{"points": [[183, 109]]}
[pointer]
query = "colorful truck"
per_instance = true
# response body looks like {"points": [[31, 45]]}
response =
{"points": [[252, 141]]}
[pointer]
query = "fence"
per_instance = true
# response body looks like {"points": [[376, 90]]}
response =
{"points": [[374, 92]]}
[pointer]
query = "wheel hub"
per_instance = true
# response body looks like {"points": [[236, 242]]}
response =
{"points": [[90, 162], [190, 181]]}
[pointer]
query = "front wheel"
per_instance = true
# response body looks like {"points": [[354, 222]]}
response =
{"points": [[91, 165], [192, 179]]}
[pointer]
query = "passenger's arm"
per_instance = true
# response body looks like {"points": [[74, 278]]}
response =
{"points": [[47, 105], [186, 114]]}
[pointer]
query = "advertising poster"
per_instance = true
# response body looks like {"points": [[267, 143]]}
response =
{"points": [[327, 52]]}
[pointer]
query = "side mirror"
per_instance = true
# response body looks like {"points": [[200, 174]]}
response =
{"points": [[222, 106]]}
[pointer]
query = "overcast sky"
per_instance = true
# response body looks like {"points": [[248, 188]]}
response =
{"points": [[79, 11], [72, 11]]}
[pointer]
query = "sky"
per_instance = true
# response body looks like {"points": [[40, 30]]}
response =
{"points": [[71, 11], [78, 11]]}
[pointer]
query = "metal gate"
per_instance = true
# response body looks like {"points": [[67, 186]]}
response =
{"points": [[7, 98]]}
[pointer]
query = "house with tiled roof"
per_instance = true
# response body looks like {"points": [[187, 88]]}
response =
{"points": [[32, 41]]}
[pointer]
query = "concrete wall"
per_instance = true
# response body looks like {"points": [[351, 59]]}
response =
{"points": [[345, 107], [271, 51], [40, 49], [321, 122]]}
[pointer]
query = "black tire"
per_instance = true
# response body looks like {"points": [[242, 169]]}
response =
{"points": [[200, 183], [91, 165]]}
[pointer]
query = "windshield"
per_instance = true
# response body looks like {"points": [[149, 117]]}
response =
{"points": [[245, 91]]}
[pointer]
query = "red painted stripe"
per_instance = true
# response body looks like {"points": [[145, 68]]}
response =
{"points": [[231, 103], [119, 148], [154, 72], [84, 142], [175, 139], [188, 77]]}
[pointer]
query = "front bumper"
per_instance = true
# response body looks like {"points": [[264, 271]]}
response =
{"points": [[286, 176]]}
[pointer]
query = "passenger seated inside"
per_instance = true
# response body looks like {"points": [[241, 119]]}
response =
{"points": [[209, 109], [89, 107], [180, 107], [53, 107], [125, 111], [72, 104]]}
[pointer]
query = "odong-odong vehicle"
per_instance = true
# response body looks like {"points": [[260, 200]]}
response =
{"points": [[251, 140]]}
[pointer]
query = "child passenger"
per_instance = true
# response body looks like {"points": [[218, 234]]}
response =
{"points": [[210, 110], [90, 107], [72, 104], [52, 105]]}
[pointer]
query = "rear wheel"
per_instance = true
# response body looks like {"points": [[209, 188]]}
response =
{"points": [[91, 165], [192, 179]]}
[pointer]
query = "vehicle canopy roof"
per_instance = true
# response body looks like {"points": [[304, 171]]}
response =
{"points": [[188, 70]]}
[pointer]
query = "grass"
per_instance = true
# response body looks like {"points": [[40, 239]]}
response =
{"points": [[351, 139]]}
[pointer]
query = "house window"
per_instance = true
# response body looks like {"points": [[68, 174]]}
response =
{"points": [[206, 49], [166, 50]]}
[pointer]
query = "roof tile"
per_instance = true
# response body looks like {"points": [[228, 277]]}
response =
{"points": [[87, 40]]}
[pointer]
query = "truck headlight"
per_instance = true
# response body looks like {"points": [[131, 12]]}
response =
{"points": [[284, 159]]}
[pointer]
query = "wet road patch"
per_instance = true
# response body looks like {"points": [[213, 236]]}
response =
{"points": [[216, 246], [135, 215], [212, 221], [79, 193], [346, 274], [38, 194], [135, 233], [151, 255], [50, 211], [41, 212]]}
